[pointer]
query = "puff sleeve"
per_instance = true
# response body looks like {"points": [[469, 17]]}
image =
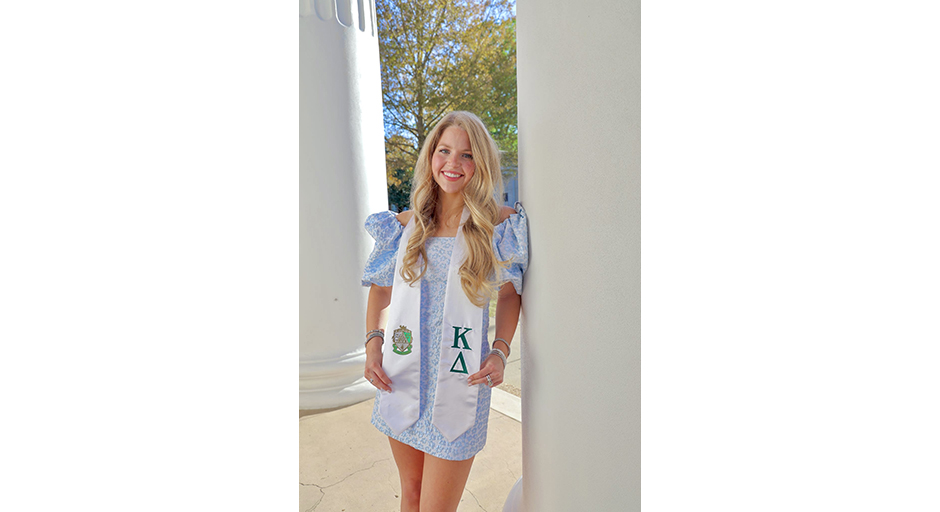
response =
{"points": [[511, 242], [380, 267]]}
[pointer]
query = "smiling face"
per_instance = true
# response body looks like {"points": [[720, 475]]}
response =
{"points": [[452, 164]]}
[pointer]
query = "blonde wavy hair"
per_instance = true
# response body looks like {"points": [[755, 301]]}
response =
{"points": [[478, 271]]}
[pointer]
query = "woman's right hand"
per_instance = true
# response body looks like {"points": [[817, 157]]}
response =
{"points": [[374, 372]]}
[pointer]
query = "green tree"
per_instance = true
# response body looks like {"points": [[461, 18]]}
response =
{"points": [[399, 189], [439, 56]]}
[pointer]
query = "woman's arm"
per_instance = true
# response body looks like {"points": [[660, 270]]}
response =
{"points": [[508, 305], [508, 302], [507, 314], [379, 298]]}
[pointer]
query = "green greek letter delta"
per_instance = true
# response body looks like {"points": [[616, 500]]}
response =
{"points": [[463, 365]]}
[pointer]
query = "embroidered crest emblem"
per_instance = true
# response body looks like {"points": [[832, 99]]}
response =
{"points": [[401, 341]]}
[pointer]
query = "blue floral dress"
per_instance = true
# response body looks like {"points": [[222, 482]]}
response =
{"points": [[510, 241]]}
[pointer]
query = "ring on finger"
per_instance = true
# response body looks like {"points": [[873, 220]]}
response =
{"points": [[489, 381]]}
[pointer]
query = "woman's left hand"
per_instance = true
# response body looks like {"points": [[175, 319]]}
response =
{"points": [[493, 366]]}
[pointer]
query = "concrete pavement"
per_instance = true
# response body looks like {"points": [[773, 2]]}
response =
{"points": [[346, 465]]}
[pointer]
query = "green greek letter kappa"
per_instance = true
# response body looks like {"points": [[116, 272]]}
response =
{"points": [[461, 336]]}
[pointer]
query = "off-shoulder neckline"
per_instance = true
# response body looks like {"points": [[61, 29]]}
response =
{"points": [[517, 207]]}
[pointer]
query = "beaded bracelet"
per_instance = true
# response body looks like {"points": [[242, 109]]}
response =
{"points": [[508, 350], [499, 353]]}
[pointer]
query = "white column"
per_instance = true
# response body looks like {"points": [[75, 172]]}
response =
{"points": [[579, 161], [342, 180]]}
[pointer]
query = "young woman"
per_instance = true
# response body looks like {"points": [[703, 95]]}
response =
{"points": [[435, 267]]}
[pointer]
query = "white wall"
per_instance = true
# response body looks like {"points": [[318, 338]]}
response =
{"points": [[579, 161], [342, 180]]}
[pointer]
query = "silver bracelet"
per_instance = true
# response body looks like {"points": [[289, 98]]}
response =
{"points": [[499, 353], [504, 341], [375, 334]]}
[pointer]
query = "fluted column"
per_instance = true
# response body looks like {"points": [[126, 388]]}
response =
{"points": [[579, 177], [342, 180]]}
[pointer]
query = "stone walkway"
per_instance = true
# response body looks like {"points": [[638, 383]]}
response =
{"points": [[346, 465]]}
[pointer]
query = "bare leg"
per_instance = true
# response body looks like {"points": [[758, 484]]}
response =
{"points": [[443, 483], [410, 467]]}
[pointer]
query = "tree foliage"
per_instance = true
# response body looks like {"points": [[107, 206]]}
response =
{"points": [[439, 56]]}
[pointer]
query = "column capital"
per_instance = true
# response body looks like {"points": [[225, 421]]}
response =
{"points": [[359, 14]]}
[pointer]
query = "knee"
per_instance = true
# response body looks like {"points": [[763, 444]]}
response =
{"points": [[411, 489]]}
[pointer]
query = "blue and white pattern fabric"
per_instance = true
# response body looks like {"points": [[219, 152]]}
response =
{"points": [[510, 241]]}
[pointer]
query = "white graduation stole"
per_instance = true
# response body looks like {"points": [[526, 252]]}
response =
{"points": [[462, 331]]}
